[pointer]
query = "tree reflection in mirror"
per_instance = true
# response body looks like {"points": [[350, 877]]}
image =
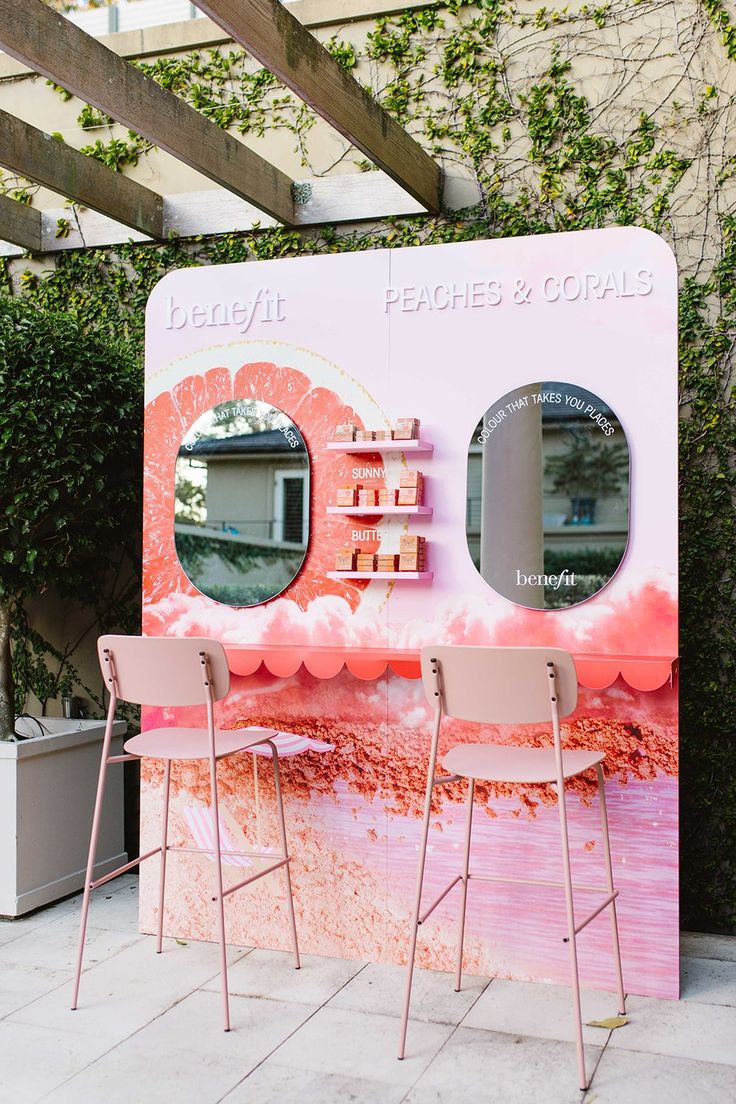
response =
{"points": [[241, 513], [547, 519]]}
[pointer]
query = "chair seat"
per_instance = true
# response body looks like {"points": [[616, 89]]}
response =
{"points": [[193, 743], [495, 763]]}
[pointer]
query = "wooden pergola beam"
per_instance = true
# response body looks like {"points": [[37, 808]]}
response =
{"points": [[31, 153], [20, 224], [54, 47], [283, 46]]}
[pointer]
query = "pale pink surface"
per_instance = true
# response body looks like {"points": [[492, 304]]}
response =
{"points": [[353, 814]]}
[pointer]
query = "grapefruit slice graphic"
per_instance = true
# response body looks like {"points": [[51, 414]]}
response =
{"points": [[315, 409]]}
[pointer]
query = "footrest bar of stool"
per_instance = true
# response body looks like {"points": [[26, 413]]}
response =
{"points": [[535, 882], [122, 869], [212, 851], [428, 912], [604, 904], [254, 877], [443, 779]]}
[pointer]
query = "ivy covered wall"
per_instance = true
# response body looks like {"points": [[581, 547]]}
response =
{"points": [[546, 120]]}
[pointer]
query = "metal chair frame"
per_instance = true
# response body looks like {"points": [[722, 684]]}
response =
{"points": [[207, 669], [562, 701]]}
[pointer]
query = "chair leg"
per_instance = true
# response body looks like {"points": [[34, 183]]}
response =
{"points": [[415, 918], [89, 874], [164, 845], [464, 890], [218, 890], [616, 946], [571, 939], [285, 854]]}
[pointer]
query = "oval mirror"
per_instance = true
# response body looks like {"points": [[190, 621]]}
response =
{"points": [[547, 518], [241, 514]]}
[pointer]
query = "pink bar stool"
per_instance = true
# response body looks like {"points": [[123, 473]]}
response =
{"points": [[189, 671], [510, 686]]}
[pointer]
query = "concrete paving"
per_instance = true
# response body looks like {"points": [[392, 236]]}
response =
{"points": [[148, 1026]]}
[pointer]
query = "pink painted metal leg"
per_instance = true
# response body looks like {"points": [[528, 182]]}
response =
{"points": [[616, 946], [418, 894], [464, 891], [571, 936], [285, 854], [89, 874], [219, 899], [164, 845]]}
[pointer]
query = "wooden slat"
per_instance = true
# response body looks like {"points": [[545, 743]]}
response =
{"points": [[279, 41], [19, 224], [31, 153], [349, 198], [57, 49], [201, 34]]}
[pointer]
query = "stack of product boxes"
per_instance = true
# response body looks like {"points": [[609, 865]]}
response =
{"points": [[365, 561], [410, 493], [406, 429], [344, 432], [411, 489], [347, 495], [412, 557], [412, 553]]}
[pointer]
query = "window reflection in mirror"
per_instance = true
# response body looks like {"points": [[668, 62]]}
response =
{"points": [[548, 495], [241, 514]]}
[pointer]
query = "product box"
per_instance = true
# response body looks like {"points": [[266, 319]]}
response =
{"points": [[382, 435], [412, 542], [410, 561], [406, 429], [387, 562], [347, 496], [409, 496], [409, 478], [367, 496], [365, 561], [344, 432], [365, 435], [345, 559], [386, 496]]}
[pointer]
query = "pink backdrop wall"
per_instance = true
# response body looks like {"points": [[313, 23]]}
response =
{"points": [[355, 338]]}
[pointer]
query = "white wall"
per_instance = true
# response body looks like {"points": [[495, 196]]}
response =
{"points": [[132, 15]]}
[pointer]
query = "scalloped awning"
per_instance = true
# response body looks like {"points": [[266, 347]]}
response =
{"points": [[594, 671]]}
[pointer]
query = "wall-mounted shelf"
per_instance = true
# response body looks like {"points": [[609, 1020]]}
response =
{"points": [[414, 446], [407, 576], [374, 511]]}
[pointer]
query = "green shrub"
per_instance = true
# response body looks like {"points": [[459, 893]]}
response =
{"points": [[70, 455]]}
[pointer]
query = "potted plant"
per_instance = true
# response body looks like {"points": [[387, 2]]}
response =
{"points": [[70, 444], [587, 469]]}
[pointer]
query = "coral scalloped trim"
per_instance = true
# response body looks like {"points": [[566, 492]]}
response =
{"points": [[595, 672]]}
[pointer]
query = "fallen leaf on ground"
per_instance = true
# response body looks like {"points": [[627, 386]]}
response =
{"points": [[609, 1024]]}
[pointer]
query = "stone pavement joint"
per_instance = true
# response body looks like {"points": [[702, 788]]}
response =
{"points": [[328, 1033]]}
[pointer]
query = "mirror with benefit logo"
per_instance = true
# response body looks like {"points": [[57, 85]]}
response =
{"points": [[547, 519]]}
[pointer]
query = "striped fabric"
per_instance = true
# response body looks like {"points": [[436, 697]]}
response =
{"points": [[201, 824], [290, 743]]}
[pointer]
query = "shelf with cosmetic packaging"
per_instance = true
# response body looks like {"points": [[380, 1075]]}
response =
{"points": [[406, 576], [374, 511], [415, 446]]}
